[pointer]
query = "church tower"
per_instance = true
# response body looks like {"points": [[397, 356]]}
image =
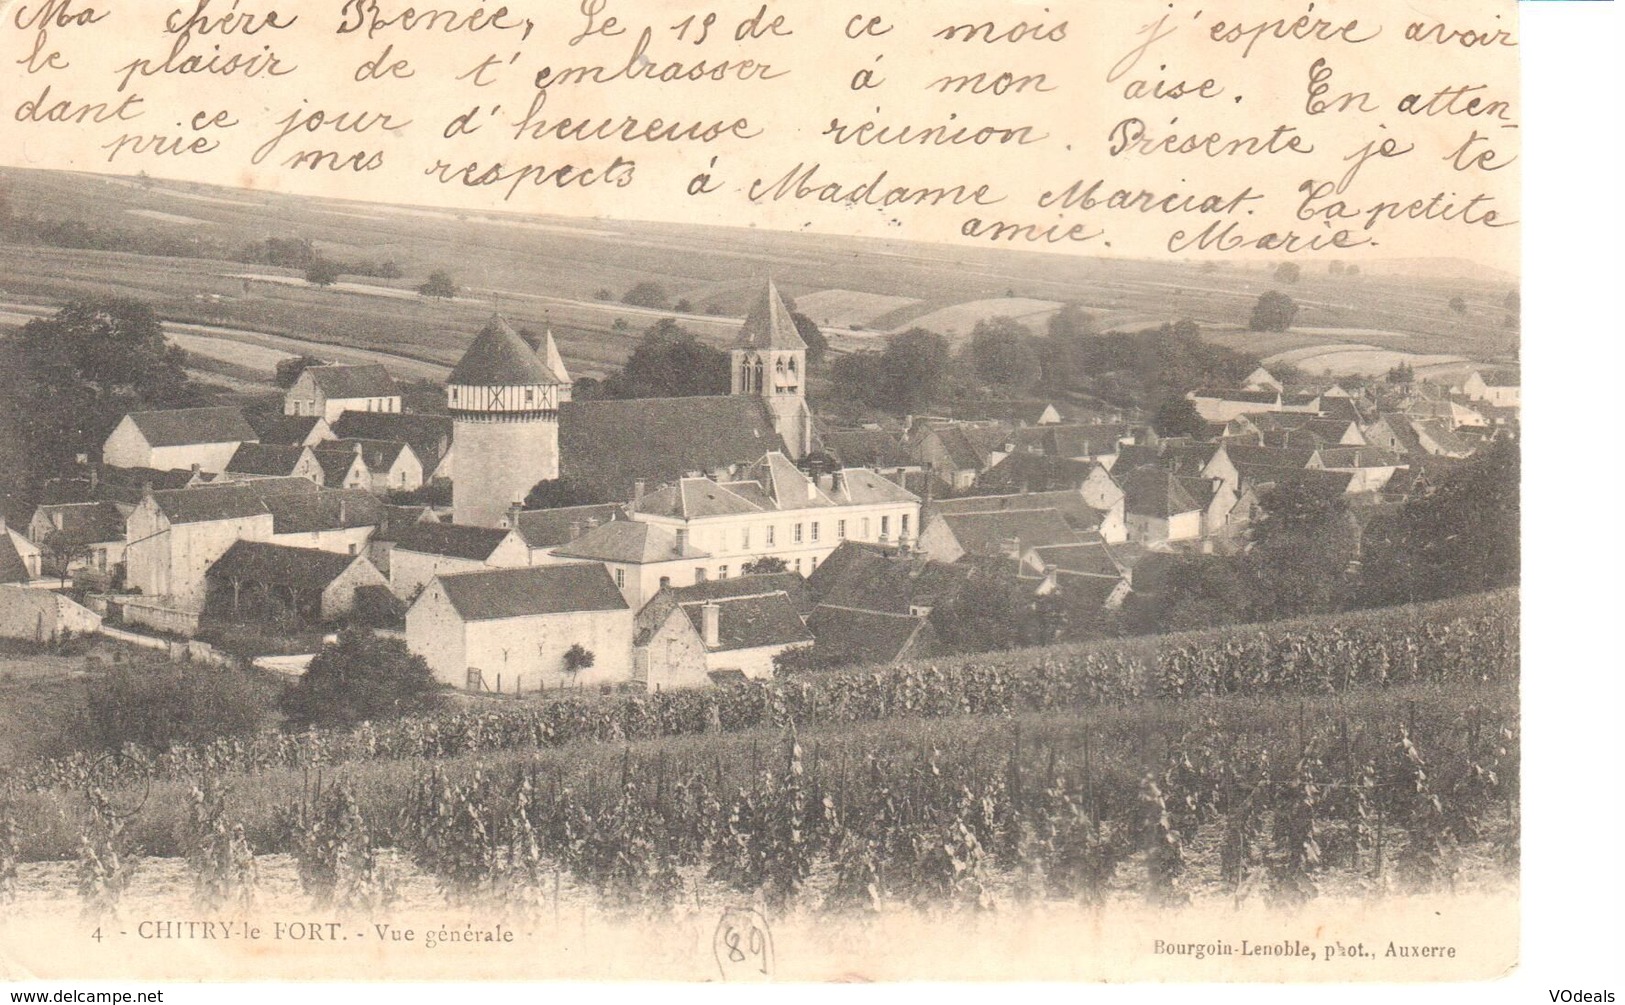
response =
{"points": [[504, 403], [770, 362]]}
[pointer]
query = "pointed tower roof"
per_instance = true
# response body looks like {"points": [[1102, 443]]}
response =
{"points": [[499, 357], [555, 362], [769, 325]]}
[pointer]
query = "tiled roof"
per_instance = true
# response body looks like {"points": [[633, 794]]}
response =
{"points": [[336, 462], [1357, 457], [769, 325], [265, 459], [789, 583], [690, 498], [85, 523], [962, 453], [1236, 394], [378, 455], [833, 569], [1153, 492], [1035, 473], [550, 528], [365, 381], [857, 486], [629, 542], [494, 594], [1089, 440], [499, 357], [749, 622], [279, 565], [1090, 557], [429, 436], [1278, 457], [785, 484], [450, 539], [288, 429], [1078, 514], [1201, 490], [232, 501], [608, 445], [181, 426], [867, 448], [987, 533], [329, 509], [393, 520], [866, 637], [895, 585]]}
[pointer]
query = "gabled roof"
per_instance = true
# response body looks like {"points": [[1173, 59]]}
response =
{"points": [[749, 622], [609, 445], [1154, 492], [288, 429], [1358, 457], [867, 637], [1078, 514], [1442, 436], [790, 584], [265, 459], [84, 523], [769, 325], [1089, 440], [553, 358], [378, 455], [12, 567], [368, 380], [1201, 490], [963, 454], [329, 509], [280, 565], [897, 584], [230, 501], [500, 357], [495, 594], [692, 498], [1500, 376], [785, 484], [451, 539], [393, 520], [1237, 394], [182, 426], [1035, 473], [631, 542], [1086, 558], [867, 448], [1279, 457], [987, 533], [336, 462], [550, 528], [1404, 434], [858, 486], [429, 436], [846, 555]]}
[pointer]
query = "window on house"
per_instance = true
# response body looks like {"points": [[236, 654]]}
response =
{"points": [[620, 579], [722, 572], [840, 529], [530, 395], [353, 547], [665, 582], [815, 562], [744, 538], [885, 527], [699, 575], [798, 533], [798, 566], [770, 536], [904, 527], [815, 530], [866, 528]]}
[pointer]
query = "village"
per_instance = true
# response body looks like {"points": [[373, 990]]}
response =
{"points": [[747, 534]]}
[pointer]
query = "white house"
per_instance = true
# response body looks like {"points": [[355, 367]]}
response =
{"points": [[173, 537], [512, 628], [330, 391], [178, 438], [1159, 508], [423, 551]]}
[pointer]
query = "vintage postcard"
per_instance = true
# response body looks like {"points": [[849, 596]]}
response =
{"points": [[757, 490]]}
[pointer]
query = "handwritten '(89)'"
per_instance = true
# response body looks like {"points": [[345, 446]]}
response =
{"points": [[743, 945]]}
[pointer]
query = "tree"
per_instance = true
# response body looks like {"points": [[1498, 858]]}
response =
{"points": [[322, 272], [68, 379], [578, 658], [1001, 354], [1401, 373], [1458, 305], [646, 294], [912, 372], [683, 306], [1274, 312], [288, 370], [1177, 416], [556, 493], [989, 613], [440, 286], [1071, 321], [603, 294], [817, 344], [361, 677], [765, 565], [669, 362], [1288, 272], [1301, 549]]}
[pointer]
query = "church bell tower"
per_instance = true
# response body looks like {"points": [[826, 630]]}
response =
{"points": [[504, 401], [770, 363]]}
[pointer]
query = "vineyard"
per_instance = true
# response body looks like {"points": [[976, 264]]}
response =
{"points": [[1363, 754], [1463, 641]]}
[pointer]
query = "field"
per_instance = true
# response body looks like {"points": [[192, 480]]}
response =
{"points": [[1363, 360], [549, 273]]}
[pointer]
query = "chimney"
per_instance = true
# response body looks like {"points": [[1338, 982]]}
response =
{"points": [[513, 513], [638, 488], [682, 540], [575, 529], [812, 489], [146, 490], [344, 511], [711, 618], [826, 481], [196, 469], [95, 476]]}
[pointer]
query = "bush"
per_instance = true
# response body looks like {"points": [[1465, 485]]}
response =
{"points": [[156, 705], [361, 677]]}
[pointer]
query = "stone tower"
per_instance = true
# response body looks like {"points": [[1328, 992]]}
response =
{"points": [[504, 402], [770, 362]]}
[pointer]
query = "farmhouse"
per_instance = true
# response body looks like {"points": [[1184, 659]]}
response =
{"points": [[179, 438], [429, 436], [512, 628], [330, 391], [317, 586], [85, 536], [391, 466], [1158, 508]]}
